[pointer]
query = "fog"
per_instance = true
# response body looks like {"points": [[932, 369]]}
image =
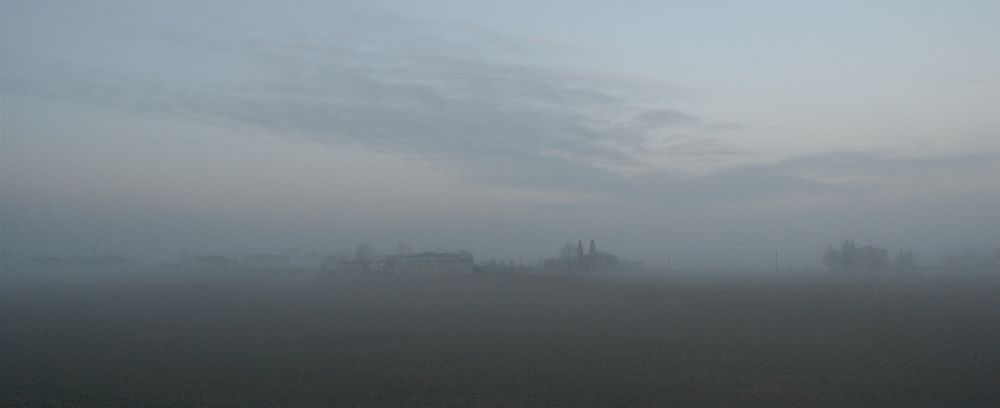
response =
{"points": [[127, 336], [148, 130], [459, 203]]}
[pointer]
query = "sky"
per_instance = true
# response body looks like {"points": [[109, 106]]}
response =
{"points": [[717, 132]]}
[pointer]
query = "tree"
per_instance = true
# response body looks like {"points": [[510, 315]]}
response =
{"points": [[364, 252], [852, 258], [904, 259], [870, 258], [847, 254], [572, 258], [403, 248], [832, 258], [567, 252], [330, 261]]}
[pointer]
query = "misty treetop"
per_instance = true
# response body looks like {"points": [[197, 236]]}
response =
{"points": [[573, 259], [851, 257]]}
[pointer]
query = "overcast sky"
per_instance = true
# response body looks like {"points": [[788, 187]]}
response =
{"points": [[716, 131]]}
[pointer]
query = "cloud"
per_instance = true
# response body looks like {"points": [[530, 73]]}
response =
{"points": [[880, 163], [800, 175], [450, 94], [665, 118], [526, 129]]}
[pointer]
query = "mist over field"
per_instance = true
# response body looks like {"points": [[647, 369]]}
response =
{"points": [[502, 339], [390, 203]]}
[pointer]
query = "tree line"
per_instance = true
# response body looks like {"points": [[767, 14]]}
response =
{"points": [[851, 257]]}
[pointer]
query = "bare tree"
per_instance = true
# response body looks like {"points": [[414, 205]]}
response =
{"points": [[403, 248], [364, 252], [568, 252]]}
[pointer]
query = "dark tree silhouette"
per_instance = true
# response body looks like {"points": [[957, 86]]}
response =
{"points": [[854, 258]]}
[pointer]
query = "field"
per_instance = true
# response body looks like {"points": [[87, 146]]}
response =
{"points": [[502, 340]]}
